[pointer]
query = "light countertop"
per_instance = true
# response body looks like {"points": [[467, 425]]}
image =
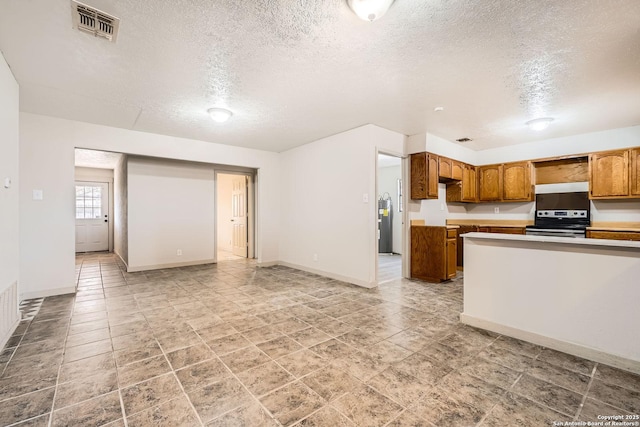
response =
{"points": [[554, 239]]}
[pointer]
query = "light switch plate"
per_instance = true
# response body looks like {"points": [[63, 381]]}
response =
{"points": [[365, 198], [7, 182], [38, 195]]}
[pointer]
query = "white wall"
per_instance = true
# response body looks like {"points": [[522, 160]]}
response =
{"points": [[9, 205], [225, 187], [47, 261], [171, 208], [388, 183], [323, 213]]}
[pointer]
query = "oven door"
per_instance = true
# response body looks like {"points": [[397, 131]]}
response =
{"points": [[557, 232]]}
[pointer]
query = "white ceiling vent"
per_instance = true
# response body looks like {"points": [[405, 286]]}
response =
{"points": [[93, 21]]}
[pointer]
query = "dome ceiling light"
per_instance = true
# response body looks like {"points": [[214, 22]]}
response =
{"points": [[370, 10], [219, 115], [539, 124]]}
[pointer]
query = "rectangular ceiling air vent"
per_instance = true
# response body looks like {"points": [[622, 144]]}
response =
{"points": [[93, 21], [464, 140]]}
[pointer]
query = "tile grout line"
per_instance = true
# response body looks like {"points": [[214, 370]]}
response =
{"points": [[113, 354], [55, 392], [586, 392]]}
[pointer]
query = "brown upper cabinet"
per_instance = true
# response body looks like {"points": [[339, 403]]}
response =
{"points": [[508, 182], [609, 174], [465, 188], [469, 184], [449, 169], [444, 168], [456, 170], [424, 176], [516, 182], [634, 184], [490, 188]]}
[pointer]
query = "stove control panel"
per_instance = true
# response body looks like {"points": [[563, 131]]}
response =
{"points": [[580, 213]]}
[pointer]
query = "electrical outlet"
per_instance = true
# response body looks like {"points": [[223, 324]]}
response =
{"points": [[496, 210], [315, 257], [179, 252], [441, 206], [365, 198]]}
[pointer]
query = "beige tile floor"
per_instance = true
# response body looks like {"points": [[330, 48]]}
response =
{"points": [[236, 345]]}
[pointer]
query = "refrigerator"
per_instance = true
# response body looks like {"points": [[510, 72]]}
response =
{"points": [[385, 216]]}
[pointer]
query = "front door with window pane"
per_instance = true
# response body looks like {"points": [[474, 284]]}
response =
{"points": [[92, 216]]}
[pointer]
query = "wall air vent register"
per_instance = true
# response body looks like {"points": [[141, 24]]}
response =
{"points": [[93, 21]]}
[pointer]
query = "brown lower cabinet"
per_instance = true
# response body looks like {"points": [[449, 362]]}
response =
{"points": [[613, 235], [433, 253]]}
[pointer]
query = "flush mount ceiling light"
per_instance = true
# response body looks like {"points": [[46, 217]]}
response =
{"points": [[369, 10], [539, 124], [219, 115]]}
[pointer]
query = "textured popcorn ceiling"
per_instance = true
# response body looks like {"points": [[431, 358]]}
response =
{"points": [[295, 71]]}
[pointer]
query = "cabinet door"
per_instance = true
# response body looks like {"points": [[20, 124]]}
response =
{"points": [[456, 170], [609, 174], [516, 181], [432, 178], [469, 184], [444, 167], [635, 172], [613, 235], [452, 254], [490, 188], [419, 176]]}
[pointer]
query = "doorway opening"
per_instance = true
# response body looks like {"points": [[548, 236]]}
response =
{"points": [[94, 200], [390, 215], [234, 216]]}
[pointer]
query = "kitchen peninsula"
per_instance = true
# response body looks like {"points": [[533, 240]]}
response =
{"points": [[579, 296]]}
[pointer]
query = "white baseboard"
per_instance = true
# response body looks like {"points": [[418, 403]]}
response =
{"points": [[131, 269], [555, 344], [48, 293], [267, 264], [351, 280], [126, 266]]}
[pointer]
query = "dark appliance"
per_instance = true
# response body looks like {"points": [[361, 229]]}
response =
{"points": [[561, 215], [385, 229]]}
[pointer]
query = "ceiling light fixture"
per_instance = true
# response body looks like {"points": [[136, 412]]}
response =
{"points": [[539, 124], [438, 109], [369, 10], [219, 115]]}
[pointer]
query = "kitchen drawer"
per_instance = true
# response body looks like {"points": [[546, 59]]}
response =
{"points": [[614, 235], [451, 233]]}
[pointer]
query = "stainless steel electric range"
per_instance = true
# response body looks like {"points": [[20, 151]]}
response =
{"points": [[561, 214]]}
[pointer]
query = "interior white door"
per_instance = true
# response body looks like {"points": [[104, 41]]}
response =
{"points": [[92, 216], [239, 215]]}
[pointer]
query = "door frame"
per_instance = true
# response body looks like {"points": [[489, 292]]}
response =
{"points": [[103, 180], [404, 173], [251, 210]]}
